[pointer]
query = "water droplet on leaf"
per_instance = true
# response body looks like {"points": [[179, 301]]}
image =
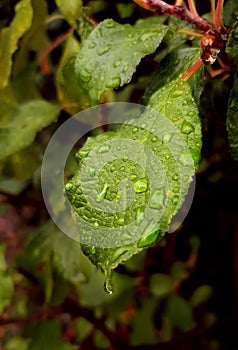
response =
{"points": [[149, 237], [102, 194], [104, 50], [68, 186], [187, 128], [140, 186], [114, 82], [156, 200], [104, 149], [85, 75]]}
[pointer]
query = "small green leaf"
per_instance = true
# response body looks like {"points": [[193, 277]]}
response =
{"points": [[70, 95], [70, 9], [174, 64], [108, 58], [10, 36], [49, 253], [160, 284], [180, 313], [17, 343], [232, 43], [6, 283], [143, 329], [21, 130], [201, 295], [232, 120], [48, 336]]}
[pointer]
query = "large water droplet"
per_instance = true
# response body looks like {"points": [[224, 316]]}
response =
{"points": [[104, 149], [92, 171], [114, 82], [117, 63], [110, 24], [156, 200], [85, 75], [140, 186], [108, 285], [149, 237], [139, 215], [91, 45], [187, 128], [68, 186], [83, 153], [102, 194], [104, 50], [177, 93]]}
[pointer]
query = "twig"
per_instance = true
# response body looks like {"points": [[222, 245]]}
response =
{"points": [[192, 8], [219, 14], [180, 12]]}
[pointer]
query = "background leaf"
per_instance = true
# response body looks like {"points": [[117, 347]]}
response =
{"points": [[21, 130], [48, 336], [6, 282], [10, 36], [232, 120], [108, 58], [70, 9]]}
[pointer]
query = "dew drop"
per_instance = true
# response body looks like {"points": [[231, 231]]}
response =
{"points": [[139, 215], [85, 75], [154, 138], [117, 63], [110, 24], [104, 50], [156, 200], [104, 149], [68, 186], [140, 186], [134, 130], [143, 126], [149, 237], [187, 128], [108, 285], [93, 250], [92, 172], [175, 177], [185, 159], [83, 153], [112, 168], [102, 194], [91, 45], [121, 221], [177, 93], [167, 137], [132, 177], [114, 82]]}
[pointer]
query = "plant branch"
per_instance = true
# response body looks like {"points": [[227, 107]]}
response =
{"points": [[192, 8], [219, 15], [213, 9], [180, 12]]}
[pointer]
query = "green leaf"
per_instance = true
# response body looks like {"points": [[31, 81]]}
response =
{"points": [[143, 331], [232, 119], [230, 12], [174, 117], [48, 336], [180, 313], [232, 42], [21, 130], [201, 295], [17, 343], [6, 283], [10, 36], [108, 58], [70, 95], [174, 64], [48, 253], [35, 40], [71, 10], [160, 284]]}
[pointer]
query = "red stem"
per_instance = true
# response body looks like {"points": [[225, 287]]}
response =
{"points": [[177, 11]]}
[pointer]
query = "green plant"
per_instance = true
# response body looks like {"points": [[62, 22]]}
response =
{"points": [[57, 60]]}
